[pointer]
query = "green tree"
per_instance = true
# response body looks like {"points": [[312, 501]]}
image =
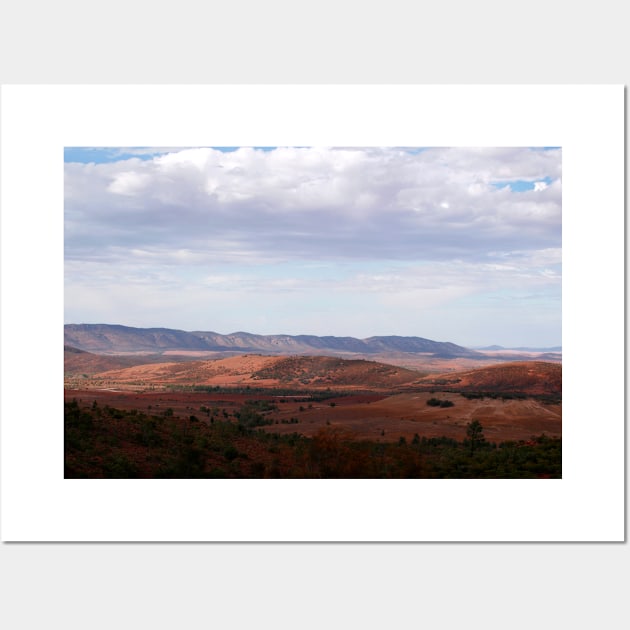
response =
{"points": [[474, 431]]}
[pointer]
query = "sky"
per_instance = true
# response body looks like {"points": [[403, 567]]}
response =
{"points": [[450, 244]]}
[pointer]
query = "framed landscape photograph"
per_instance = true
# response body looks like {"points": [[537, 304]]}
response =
{"points": [[316, 313], [399, 312]]}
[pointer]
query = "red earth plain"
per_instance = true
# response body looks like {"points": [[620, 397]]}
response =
{"points": [[376, 401]]}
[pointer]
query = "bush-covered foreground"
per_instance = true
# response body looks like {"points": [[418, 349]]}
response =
{"points": [[102, 442]]}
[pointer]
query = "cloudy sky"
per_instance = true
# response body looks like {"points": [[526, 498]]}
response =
{"points": [[452, 244]]}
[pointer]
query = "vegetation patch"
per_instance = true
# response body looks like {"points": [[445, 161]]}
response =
{"points": [[440, 402], [102, 442]]}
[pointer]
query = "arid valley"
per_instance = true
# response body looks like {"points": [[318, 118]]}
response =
{"points": [[256, 414]]}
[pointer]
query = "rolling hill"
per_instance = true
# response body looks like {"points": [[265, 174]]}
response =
{"points": [[77, 362], [310, 372], [526, 377], [318, 372]]}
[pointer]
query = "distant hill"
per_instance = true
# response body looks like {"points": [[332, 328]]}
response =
{"points": [[526, 377], [78, 362], [312, 372], [320, 372], [115, 339], [112, 339]]}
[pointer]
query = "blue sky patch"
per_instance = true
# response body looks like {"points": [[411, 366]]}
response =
{"points": [[104, 155], [521, 185]]}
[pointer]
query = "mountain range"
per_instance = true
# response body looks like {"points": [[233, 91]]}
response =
{"points": [[109, 338]]}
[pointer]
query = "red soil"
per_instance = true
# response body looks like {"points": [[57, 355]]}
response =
{"points": [[376, 416]]}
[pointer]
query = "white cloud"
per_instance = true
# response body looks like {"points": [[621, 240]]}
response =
{"points": [[129, 183], [196, 224], [313, 203]]}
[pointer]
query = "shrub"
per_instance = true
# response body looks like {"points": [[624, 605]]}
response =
{"points": [[119, 467], [230, 453], [436, 402]]}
